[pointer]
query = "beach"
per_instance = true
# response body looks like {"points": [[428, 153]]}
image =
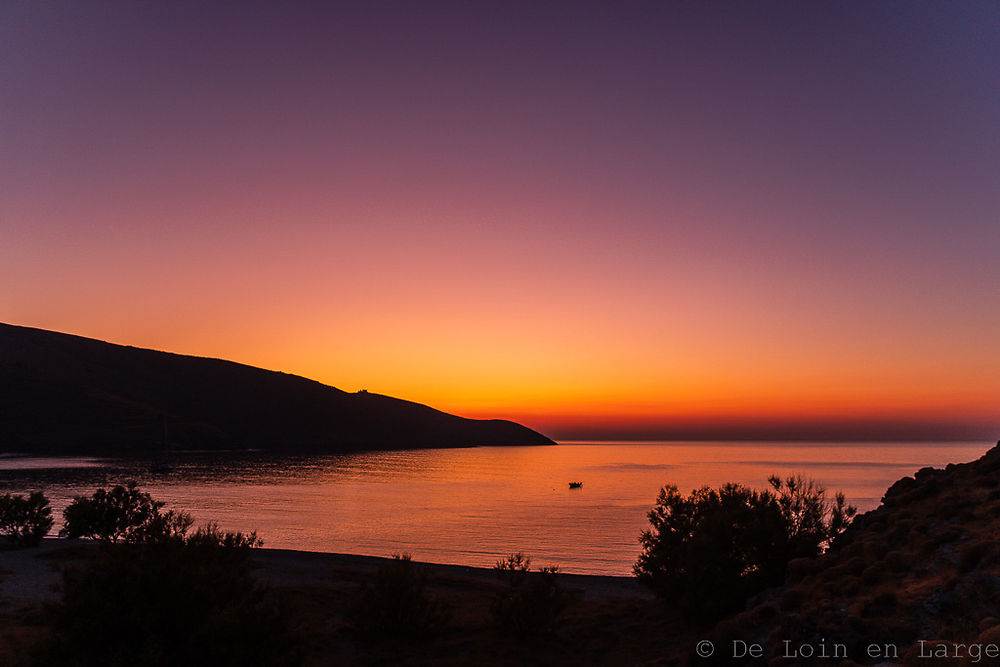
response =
{"points": [[612, 620]]}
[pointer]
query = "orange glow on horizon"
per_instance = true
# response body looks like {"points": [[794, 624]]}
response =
{"points": [[570, 388], [505, 213]]}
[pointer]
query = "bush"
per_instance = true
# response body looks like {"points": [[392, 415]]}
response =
{"points": [[397, 604], [25, 521], [123, 514], [188, 600], [812, 520], [710, 551], [532, 602]]}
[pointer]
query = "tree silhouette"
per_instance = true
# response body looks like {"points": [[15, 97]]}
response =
{"points": [[25, 521], [709, 551]]}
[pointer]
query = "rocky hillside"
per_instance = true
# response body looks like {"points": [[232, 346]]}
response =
{"points": [[915, 581]]}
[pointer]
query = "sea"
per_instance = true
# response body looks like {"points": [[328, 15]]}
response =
{"points": [[472, 506]]}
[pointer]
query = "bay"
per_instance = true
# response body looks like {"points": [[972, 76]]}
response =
{"points": [[472, 506]]}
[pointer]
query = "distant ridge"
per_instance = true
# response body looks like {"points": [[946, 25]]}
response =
{"points": [[67, 394]]}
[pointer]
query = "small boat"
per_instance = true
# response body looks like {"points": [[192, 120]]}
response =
{"points": [[575, 485]]}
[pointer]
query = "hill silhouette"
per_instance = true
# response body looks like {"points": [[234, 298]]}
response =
{"points": [[67, 394]]}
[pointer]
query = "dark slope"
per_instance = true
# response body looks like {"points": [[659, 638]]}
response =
{"points": [[67, 394], [925, 565]]}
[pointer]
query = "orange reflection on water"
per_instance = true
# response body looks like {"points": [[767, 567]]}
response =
{"points": [[470, 506]]}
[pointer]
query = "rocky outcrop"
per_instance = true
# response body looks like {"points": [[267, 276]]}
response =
{"points": [[915, 581]]}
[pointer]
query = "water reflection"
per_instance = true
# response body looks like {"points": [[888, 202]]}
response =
{"points": [[469, 506]]}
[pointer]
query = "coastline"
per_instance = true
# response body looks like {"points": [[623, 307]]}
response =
{"points": [[611, 621], [291, 567], [27, 576], [923, 569]]}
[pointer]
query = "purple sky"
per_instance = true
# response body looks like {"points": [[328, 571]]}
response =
{"points": [[573, 214]]}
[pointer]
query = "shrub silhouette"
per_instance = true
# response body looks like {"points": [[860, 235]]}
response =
{"points": [[123, 513], [812, 520], [710, 551], [25, 521], [186, 600], [532, 602], [396, 605]]}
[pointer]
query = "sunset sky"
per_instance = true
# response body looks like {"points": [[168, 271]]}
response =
{"points": [[599, 219]]}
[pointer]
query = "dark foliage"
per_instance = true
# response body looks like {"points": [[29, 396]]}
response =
{"points": [[186, 600], [532, 602], [812, 520], [710, 551], [25, 521], [125, 514], [396, 606]]}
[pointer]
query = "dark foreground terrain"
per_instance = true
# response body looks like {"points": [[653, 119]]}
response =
{"points": [[612, 620], [914, 582]]}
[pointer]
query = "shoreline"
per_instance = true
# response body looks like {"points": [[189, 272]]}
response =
{"points": [[924, 565], [27, 576], [302, 562], [609, 621]]}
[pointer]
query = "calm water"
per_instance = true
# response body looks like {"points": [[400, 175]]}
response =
{"points": [[470, 506]]}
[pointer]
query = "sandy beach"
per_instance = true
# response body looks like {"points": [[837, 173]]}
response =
{"points": [[612, 620]]}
